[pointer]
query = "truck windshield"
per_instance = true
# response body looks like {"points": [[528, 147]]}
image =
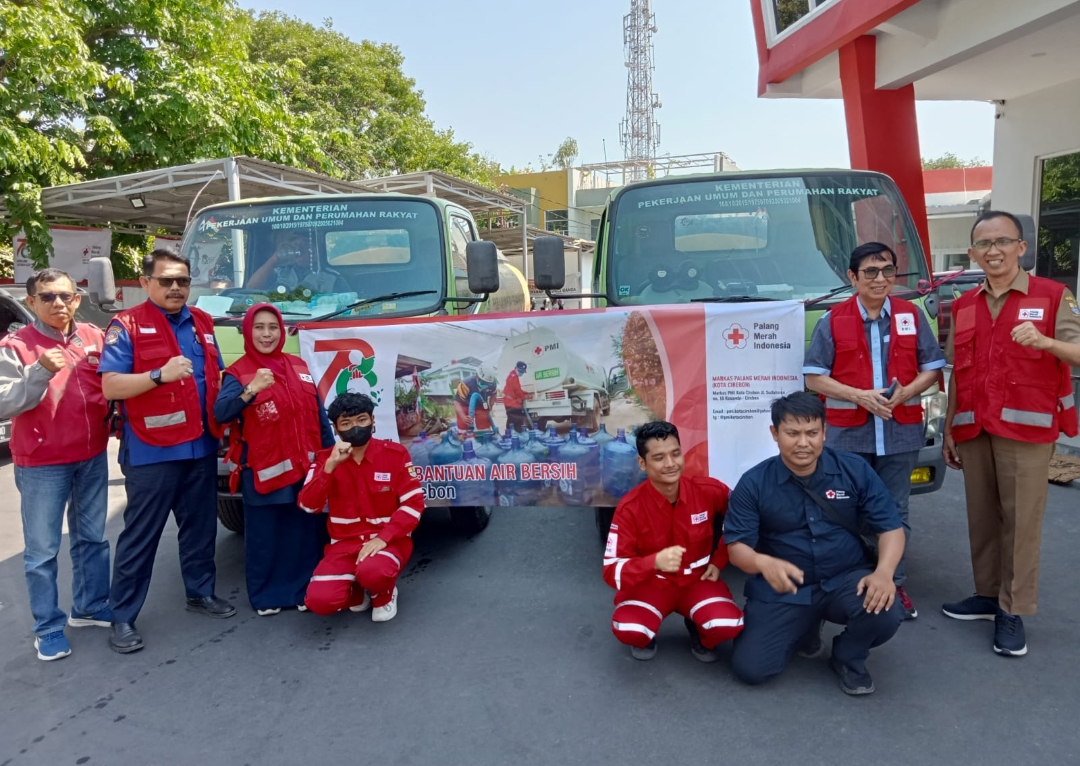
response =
{"points": [[315, 256], [781, 237]]}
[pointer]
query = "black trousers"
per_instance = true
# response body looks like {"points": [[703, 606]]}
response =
{"points": [[517, 417], [186, 488], [772, 631]]}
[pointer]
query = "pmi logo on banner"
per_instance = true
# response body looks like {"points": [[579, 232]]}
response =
{"points": [[735, 336]]}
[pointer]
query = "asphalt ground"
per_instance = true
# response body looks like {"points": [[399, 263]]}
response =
{"points": [[502, 654]]}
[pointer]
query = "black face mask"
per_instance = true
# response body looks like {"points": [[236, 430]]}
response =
{"points": [[357, 436]]}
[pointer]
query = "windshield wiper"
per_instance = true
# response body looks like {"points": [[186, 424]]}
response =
{"points": [[830, 294], [367, 301], [732, 299]]}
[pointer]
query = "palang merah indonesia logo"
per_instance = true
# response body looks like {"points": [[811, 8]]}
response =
{"points": [[736, 336]]}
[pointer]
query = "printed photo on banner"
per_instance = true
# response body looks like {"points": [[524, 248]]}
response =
{"points": [[542, 409]]}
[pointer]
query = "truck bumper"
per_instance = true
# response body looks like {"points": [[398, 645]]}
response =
{"points": [[929, 473]]}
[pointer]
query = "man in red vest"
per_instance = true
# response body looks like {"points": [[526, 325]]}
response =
{"points": [[514, 397], [856, 352], [162, 362], [50, 389], [1011, 344]]}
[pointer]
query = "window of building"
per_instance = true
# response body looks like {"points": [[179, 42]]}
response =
{"points": [[1058, 252], [788, 13], [557, 221]]}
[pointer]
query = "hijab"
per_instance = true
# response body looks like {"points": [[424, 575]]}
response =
{"points": [[275, 360]]}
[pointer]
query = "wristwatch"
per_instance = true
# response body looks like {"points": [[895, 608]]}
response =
{"points": [[155, 375], [247, 390]]}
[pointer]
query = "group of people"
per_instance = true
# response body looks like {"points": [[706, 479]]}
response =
{"points": [[328, 509], [157, 375], [822, 527]]}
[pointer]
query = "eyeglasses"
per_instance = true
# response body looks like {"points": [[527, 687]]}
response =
{"points": [[170, 281], [985, 244], [67, 298], [872, 273]]}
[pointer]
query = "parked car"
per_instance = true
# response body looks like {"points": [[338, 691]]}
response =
{"points": [[951, 290]]}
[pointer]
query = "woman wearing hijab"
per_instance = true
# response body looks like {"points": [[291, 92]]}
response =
{"points": [[276, 424]]}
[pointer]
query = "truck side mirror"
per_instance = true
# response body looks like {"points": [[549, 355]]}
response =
{"points": [[100, 281], [482, 264], [1030, 235], [549, 263]]}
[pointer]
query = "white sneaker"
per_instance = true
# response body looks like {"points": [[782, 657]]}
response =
{"points": [[364, 605], [267, 612], [301, 607], [386, 613]]}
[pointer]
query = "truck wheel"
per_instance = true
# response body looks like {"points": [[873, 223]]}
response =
{"points": [[603, 522], [230, 512], [470, 519]]}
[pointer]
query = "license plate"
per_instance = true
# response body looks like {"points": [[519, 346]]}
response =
{"points": [[5, 432]]}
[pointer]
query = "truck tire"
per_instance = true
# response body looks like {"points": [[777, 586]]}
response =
{"points": [[470, 520], [603, 522], [230, 512]]}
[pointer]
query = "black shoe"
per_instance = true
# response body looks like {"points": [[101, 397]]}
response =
{"points": [[972, 608], [810, 644], [696, 647], [211, 606], [855, 684], [123, 638], [1009, 637], [644, 654]]}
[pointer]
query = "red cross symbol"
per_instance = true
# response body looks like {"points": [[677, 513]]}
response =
{"points": [[736, 336], [831, 494], [538, 351], [905, 321]]}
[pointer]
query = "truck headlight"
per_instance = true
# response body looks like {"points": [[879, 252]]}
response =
{"points": [[934, 406]]}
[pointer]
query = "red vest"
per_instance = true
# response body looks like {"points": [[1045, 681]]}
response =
{"points": [[68, 426], [280, 427], [1008, 389], [854, 367], [170, 413]]}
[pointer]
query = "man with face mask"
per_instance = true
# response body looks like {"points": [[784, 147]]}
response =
{"points": [[375, 503]]}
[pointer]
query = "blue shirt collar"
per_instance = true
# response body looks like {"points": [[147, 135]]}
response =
{"points": [[827, 464], [886, 310], [178, 318]]}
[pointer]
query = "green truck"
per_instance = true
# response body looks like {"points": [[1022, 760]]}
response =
{"points": [[370, 257], [756, 236]]}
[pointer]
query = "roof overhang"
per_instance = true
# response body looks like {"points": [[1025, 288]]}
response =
{"points": [[949, 49], [166, 198], [478, 200]]}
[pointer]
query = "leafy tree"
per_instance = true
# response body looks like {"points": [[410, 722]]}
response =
{"points": [[949, 160], [369, 115], [90, 88], [566, 153]]}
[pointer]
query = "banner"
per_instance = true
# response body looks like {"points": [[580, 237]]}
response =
{"points": [[541, 409], [73, 247]]}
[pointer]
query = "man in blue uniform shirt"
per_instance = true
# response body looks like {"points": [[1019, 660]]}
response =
{"points": [[162, 363], [806, 564]]}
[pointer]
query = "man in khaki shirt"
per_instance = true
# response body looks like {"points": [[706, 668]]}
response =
{"points": [[1005, 477]]}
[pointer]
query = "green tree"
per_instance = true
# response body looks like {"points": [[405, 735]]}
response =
{"points": [[90, 88], [566, 153], [949, 160], [369, 115]]}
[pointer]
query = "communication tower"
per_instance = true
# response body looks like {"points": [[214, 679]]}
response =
{"points": [[639, 132]]}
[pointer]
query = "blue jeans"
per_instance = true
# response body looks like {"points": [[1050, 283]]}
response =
{"points": [[895, 472], [46, 491]]}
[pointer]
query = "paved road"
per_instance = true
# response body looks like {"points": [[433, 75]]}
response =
{"points": [[502, 654]]}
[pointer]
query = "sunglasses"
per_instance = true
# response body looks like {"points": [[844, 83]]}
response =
{"points": [[66, 298], [872, 273], [170, 281]]}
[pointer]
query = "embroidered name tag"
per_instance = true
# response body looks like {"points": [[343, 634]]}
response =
{"points": [[699, 518], [209, 337], [1032, 314], [147, 330], [905, 324], [382, 476], [306, 378]]}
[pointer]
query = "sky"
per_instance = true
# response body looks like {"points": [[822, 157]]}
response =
{"points": [[516, 79]]}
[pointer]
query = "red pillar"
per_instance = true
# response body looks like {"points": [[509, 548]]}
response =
{"points": [[882, 131]]}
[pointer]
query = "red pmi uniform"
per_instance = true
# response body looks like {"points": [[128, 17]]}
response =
{"points": [[645, 523], [377, 497]]}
